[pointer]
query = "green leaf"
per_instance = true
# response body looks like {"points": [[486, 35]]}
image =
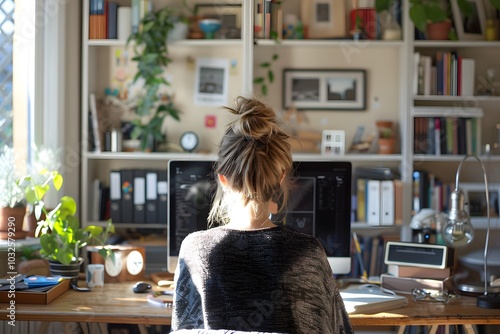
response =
{"points": [[495, 3], [94, 231], [381, 5], [68, 204], [265, 65], [263, 89], [418, 16], [65, 256], [275, 57], [270, 76], [258, 80], [57, 181]]}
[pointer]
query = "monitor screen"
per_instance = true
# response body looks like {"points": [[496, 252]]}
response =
{"points": [[319, 204]]}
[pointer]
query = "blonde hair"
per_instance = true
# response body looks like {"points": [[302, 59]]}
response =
{"points": [[254, 156]]}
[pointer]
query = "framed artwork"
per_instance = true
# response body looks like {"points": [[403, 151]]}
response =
{"points": [[324, 89], [323, 18], [229, 14], [470, 27], [475, 199]]}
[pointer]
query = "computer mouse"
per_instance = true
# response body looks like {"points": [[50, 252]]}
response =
{"points": [[141, 287]]}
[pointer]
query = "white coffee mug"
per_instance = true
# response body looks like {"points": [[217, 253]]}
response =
{"points": [[95, 275]]}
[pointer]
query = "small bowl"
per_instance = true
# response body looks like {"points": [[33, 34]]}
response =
{"points": [[209, 27]]}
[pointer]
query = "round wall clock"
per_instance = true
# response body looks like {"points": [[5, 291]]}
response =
{"points": [[189, 141], [115, 268]]}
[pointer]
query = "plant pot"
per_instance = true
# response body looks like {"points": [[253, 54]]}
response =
{"points": [[66, 270], [179, 32], [11, 223], [386, 145], [438, 30]]}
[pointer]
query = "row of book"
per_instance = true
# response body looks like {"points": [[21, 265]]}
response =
{"points": [[447, 73], [430, 192], [269, 20], [108, 20], [447, 135], [370, 260], [377, 196], [134, 196]]}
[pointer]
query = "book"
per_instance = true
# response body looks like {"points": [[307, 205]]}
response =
{"points": [[419, 272], [95, 123], [370, 299], [468, 77]]}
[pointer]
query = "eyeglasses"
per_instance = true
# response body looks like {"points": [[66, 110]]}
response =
{"points": [[428, 295]]}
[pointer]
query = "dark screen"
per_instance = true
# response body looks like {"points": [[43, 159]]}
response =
{"points": [[319, 202]]}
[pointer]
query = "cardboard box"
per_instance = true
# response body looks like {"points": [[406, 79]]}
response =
{"points": [[36, 297]]}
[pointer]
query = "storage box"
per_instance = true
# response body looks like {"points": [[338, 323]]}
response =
{"points": [[36, 297]]}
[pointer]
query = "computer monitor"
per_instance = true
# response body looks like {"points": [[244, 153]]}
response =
{"points": [[319, 204]]}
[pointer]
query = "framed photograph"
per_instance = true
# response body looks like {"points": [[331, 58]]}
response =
{"points": [[211, 81], [324, 89], [475, 200], [323, 18], [229, 14], [470, 27]]}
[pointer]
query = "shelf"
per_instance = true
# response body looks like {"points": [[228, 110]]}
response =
{"points": [[187, 42], [179, 156], [452, 158], [329, 43], [455, 98], [456, 44], [146, 156], [119, 225]]}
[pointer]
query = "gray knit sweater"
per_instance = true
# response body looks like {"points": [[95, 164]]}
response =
{"points": [[269, 280]]}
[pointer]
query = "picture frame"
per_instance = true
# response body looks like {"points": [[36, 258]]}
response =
{"points": [[469, 29], [228, 13], [323, 18], [324, 89], [476, 201]]}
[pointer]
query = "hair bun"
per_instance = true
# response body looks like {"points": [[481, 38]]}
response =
{"points": [[256, 120]]}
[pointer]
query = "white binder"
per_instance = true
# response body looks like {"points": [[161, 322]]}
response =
{"points": [[387, 199], [373, 205]]}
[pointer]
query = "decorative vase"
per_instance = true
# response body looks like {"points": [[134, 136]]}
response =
{"points": [[11, 223], [66, 270], [438, 30]]}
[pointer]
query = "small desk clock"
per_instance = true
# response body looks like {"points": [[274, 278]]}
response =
{"points": [[189, 141]]}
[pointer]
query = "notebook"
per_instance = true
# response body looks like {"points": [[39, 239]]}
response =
{"points": [[370, 299]]}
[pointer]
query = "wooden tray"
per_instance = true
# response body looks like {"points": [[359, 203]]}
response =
{"points": [[36, 297]]}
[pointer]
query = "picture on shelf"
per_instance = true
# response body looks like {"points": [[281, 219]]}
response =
{"points": [[470, 26], [229, 15], [475, 197], [318, 89], [323, 18]]}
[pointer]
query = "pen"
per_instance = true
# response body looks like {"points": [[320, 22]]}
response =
{"points": [[358, 253]]}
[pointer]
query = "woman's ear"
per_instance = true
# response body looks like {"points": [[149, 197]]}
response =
{"points": [[222, 180]]}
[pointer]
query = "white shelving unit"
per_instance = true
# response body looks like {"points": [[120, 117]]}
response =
{"points": [[389, 66]]}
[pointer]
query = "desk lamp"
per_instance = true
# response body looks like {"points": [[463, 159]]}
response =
{"points": [[458, 232]]}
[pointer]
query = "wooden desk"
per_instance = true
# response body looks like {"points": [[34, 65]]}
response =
{"points": [[116, 303]]}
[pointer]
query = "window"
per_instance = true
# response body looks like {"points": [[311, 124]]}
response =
{"points": [[6, 47]]}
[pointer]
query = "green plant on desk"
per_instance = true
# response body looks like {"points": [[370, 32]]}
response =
{"points": [[61, 236]]}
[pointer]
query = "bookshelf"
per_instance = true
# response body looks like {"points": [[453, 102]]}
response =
{"points": [[390, 75]]}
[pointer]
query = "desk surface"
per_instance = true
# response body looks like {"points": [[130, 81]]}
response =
{"points": [[116, 303]]}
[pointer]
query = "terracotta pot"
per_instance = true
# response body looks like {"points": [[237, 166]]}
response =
{"points": [[438, 30], [386, 145], [11, 220]]}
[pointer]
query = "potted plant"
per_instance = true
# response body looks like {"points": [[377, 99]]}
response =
{"points": [[386, 137], [151, 105], [61, 236], [12, 203]]}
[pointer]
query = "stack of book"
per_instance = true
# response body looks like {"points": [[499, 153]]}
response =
{"points": [[417, 266]]}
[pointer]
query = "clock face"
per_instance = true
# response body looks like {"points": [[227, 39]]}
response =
{"points": [[113, 269], [189, 141], [135, 263]]}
